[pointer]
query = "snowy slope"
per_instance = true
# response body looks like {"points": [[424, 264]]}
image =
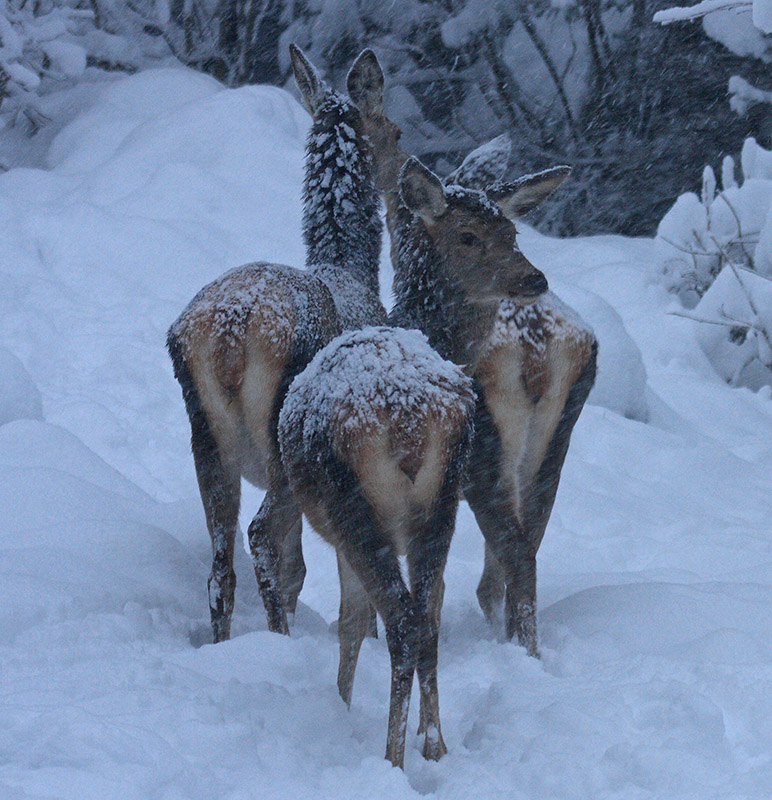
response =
{"points": [[655, 573]]}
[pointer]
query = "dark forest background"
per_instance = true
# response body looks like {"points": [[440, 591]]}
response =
{"points": [[638, 109]]}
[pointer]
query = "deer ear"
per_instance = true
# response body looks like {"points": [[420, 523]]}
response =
{"points": [[422, 190], [484, 165], [307, 78], [365, 82], [519, 197]]}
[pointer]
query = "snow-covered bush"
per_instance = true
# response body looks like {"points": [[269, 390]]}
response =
{"points": [[716, 254], [37, 41], [727, 223], [716, 250], [48, 44], [735, 327]]}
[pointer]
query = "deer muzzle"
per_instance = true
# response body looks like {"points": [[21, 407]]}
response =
{"points": [[532, 285]]}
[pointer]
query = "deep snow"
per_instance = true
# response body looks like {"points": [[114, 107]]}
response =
{"points": [[655, 576]]}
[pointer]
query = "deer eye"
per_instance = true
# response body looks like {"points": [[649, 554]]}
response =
{"points": [[469, 239]]}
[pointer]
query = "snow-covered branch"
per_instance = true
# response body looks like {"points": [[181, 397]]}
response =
{"points": [[761, 9], [683, 13]]}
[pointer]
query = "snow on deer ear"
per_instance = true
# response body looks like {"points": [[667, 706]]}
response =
{"points": [[483, 166], [517, 198], [307, 78], [422, 191], [365, 82]]}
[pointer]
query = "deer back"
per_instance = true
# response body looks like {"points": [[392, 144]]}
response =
{"points": [[533, 358]]}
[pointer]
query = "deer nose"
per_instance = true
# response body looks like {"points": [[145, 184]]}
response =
{"points": [[532, 285]]}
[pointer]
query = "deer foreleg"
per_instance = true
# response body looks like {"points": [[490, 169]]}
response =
{"points": [[293, 567], [353, 625]]}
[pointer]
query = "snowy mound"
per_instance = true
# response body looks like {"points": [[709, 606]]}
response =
{"points": [[365, 379], [19, 396], [164, 182], [77, 537], [620, 383]]}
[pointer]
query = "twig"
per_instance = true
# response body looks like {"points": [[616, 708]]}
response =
{"points": [[723, 323]]}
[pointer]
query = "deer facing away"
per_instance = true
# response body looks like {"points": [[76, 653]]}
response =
{"points": [[534, 371], [243, 338], [374, 435]]}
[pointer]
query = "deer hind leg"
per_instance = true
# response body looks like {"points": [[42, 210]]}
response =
{"points": [[429, 720], [220, 487], [372, 626], [509, 543], [293, 567], [541, 498], [278, 516], [490, 590], [370, 553], [353, 625], [221, 495], [427, 554], [378, 571], [510, 546]]}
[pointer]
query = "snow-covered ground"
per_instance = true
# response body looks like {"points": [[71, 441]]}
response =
{"points": [[655, 574]]}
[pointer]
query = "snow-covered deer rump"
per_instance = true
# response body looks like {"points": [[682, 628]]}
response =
{"points": [[244, 337], [374, 436]]}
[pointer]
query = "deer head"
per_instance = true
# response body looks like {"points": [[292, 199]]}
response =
{"points": [[365, 88], [473, 237]]}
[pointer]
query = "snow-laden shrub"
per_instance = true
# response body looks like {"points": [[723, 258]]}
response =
{"points": [[699, 236], [38, 41], [735, 327], [716, 254], [48, 44]]}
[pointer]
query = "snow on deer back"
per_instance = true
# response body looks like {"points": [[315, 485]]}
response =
{"points": [[379, 395]]}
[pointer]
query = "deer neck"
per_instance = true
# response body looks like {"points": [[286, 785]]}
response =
{"points": [[427, 299], [393, 203], [341, 222]]}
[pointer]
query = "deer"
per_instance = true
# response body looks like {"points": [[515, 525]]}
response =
{"points": [[534, 374], [375, 432], [244, 337]]}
